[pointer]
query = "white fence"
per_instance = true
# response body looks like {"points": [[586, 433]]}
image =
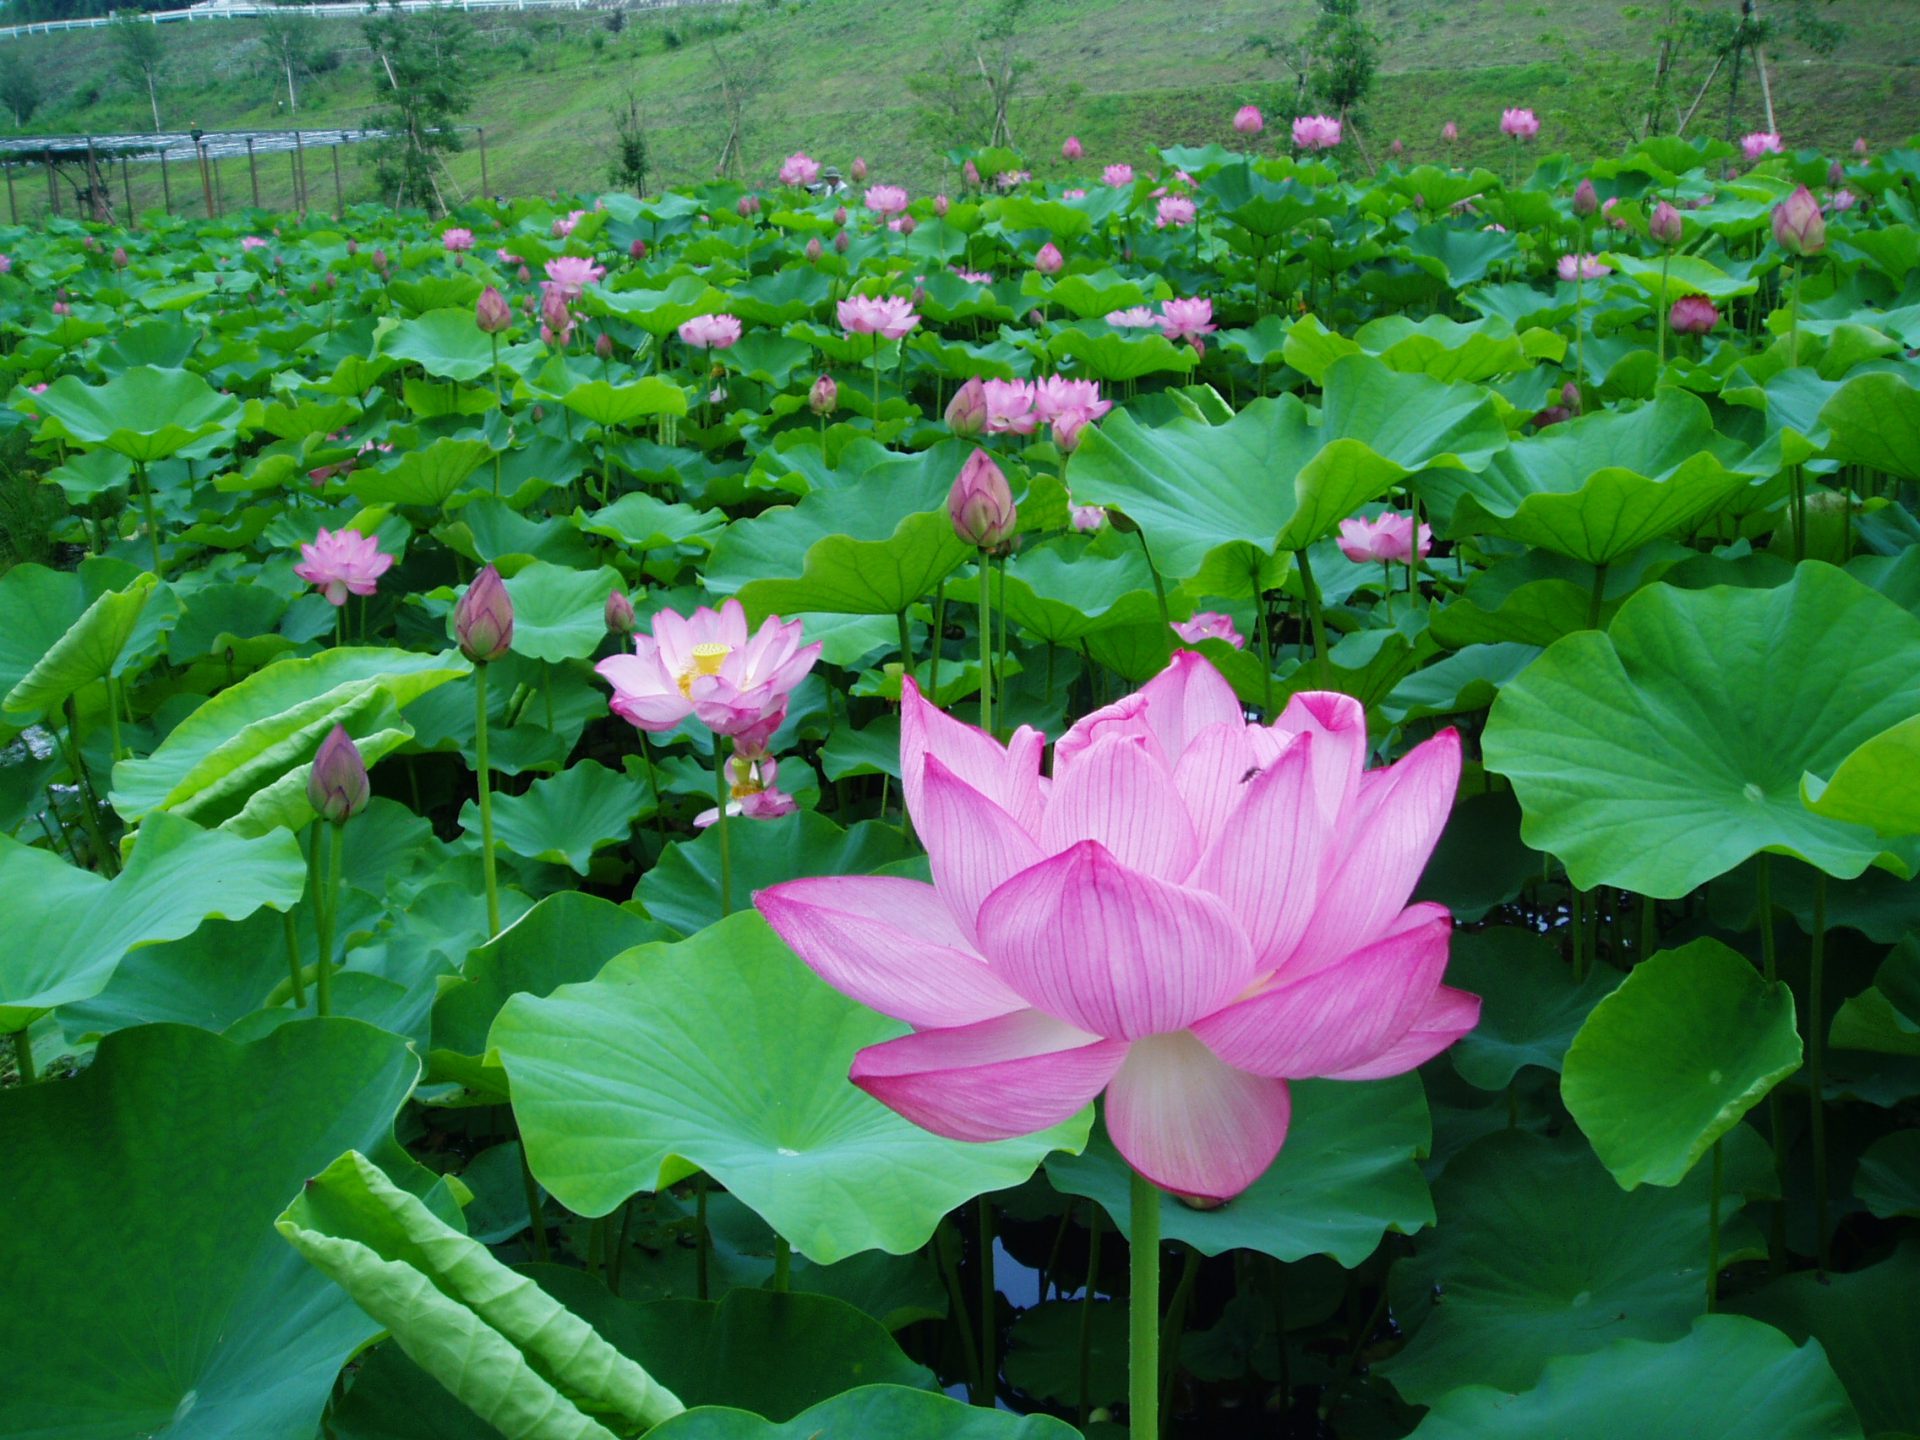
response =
{"points": [[242, 10]]}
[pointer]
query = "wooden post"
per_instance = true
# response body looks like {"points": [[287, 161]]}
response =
{"points": [[253, 173], [13, 205], [299, 177], [166, 185], [219, 190], [126, 188], [485, 188], [100, 206], [293, 174], [53, 186], [339, 195], [206, 178]]}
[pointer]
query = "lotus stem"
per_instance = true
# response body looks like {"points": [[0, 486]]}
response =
{"points": [[1386, 587], [485, 789], [1159, 586], [1311, 592], [1816, 1069], [935, 639], [943, 1245], [1713, 1228], [1661, 306], [986, 644], [1265, 625], [153, 521], [1176, 1323], [721, 795], [876, 384], [782, 1264], [320, 893], [104, 856], [113, 720], [1597, 598], [535, 1222], [293, 959], [989, 1316], [703, 1241], [23, 1054], [1776, 1108], [500, 402], [1143, 1319], [1086, 1311]]}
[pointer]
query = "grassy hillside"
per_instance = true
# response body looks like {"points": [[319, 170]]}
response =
{"points": [[1123, 74]]}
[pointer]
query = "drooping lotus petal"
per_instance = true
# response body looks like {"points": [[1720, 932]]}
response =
{"points": [[1111, 950], [1191, 1123], [1267, 865], [644, 694], [890, 944], [1395, 822], [1449, 1015], [1340, 752], [1123, 797], [1008, 775], [991, 1081], [1346, 1015], [972, 844], [1187, 697]]}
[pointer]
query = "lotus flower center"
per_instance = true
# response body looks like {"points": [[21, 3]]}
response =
{"points": [[707, 660]]}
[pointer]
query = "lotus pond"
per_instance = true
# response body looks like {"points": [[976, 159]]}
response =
{"points": [[1257, 800]]}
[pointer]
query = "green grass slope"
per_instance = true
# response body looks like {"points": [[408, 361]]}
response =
{"points": [[1126, 75]]}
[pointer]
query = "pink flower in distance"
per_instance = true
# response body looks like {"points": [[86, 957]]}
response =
{"points": [[706, 665], [1009, 406], [888, 315], [1387, 537], [1056, 396], [1209, 625], [1761, 143], [1071, 148], [1139, 317], [573, 273], [1693, 315], [1175, 210], [563, 227], [711, 332], [1117, 175], [1074, 194], [1316, 132], [1449, 132], [1521, 124], [343, 562], [886, 199], [457, 239], [1049, 260], [252, 242], [1012, 179], [1582, 267], [755, 795], [1248, 120], [799, 168], [1192, 912], [1089, 518], [1187, 319]]}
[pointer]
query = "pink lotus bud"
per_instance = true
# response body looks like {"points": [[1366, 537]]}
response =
{"points": [[603, 345], [1665, 225], [60, 307], [89, 242], [981, 503], [824, 397], [1049, 261], [940, 206], [353, 247], [333, 281], [491, 312], [1089, 518], [1860, 147], [1570, 397], [119, 257], [1836, 177], [840, 215], [1692, 315], [1585, 199], [1449, 132], [1396, 149], [619, 614], [380, 260], [1072, 149], [1798, 224], [840, 243], [970, 173], [553, 308], [337, 786], [638, 250], [547, 337], [967, 411], [858, 169], [483, 620], [1067, 429], [748, 205], [1248, 120], [905, 225], [814, 250]]}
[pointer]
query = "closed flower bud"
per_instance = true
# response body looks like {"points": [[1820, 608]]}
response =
{"points": [[1798, 224], [491, 312], [748, 206], [337, 784], [603, 345], [483, 620], [840, 243], [967, 411], [638, 250], [620, 617], [814, 250], [1585, 199], [981, 503], [1072, 149], [1049, 261], [970, 173], [940, 206], [380, 259], [1664, 225], [120, 257], [840, 215], [1693, 315], [824, 397], [859, 168]]}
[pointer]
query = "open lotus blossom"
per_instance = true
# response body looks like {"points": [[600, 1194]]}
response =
{"points": [[1209, 625], [1074, 194], [1137, 317], [1692, 315], [1520, 123], [1761, 143], [888, 315], [1387, 537], [1582, 267], [1248, 120], [252, 242], [1842, 200], [1191, 912], [573, 273], [706, 665], [1012, 179], [885, 199], [1175, 210], [974, 277], [1010, 406], [1117, 175], [1316, 132], [711, 332], [1187, 320], [457, 239], [1088, 518], [1068, 426], [564, 226], [1056, 396], [752, 791], [343, 562], [799, 168]]}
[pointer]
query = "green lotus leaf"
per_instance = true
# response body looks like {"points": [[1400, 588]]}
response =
{"points": [[1530, 1007], [429, 475], [88, 651], [724, 1053], [1877, 785], [1667, 280], [445, 343], [605, 403], [870, 1410], [564, 819], [1875, 422], [559, 613], [1669, 749], [145, 413]]}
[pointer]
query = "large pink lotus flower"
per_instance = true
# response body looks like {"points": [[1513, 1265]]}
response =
{"points": [[1387, 537], [1209, 625], [1191, 912], [573, 273], [799, 168], [706, 665], [1521, 124], [711, 332], [1009, 407], [885, 199], [1315, 132], [1187, 320], [1138, 317], [888, 315], [564, 225], [1582, 267], [1117, 175], [1761, 143], [343, 562], [1173, 210], [457, 240], [1056, 396]]}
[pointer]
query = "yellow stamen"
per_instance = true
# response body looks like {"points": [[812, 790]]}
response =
{"points": [[707, 660]]}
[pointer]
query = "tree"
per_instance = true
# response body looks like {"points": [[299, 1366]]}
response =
{"points": [[141, 57], [289, 37], [631, 155], [20, 90], [741, 68], [966, 92], [423, 89], [1345, 54]]}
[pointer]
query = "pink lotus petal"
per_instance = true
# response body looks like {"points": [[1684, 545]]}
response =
{"points": [[890, 944], [991, 1081], [1111, 950], [1211, 776], [1266, 866], [1008, 775], [1346, 1015], [1191, 1123], [973, 845], [1449, 1015], [1123, 796], [1339, 724]]}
